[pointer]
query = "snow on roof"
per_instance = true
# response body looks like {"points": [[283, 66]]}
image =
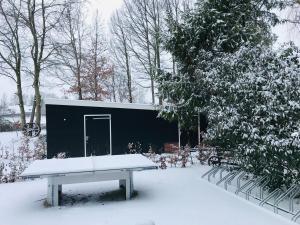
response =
{"points": [[88, 103]]}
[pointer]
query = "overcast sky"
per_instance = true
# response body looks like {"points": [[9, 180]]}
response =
{"points": [[107, 7]]}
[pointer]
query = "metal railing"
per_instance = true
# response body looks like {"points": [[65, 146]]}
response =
{"points": [[251, 183]]}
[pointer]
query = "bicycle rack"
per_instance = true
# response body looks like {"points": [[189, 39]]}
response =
{"points": [[262, 187], [232, 173], [271, 195], [260, 184], [283, 196], [244, 186], [213, 173], [291, 199], [228, 181], [210, 171], [221, 172], [238, 180], [296, 216], [255, 184]]}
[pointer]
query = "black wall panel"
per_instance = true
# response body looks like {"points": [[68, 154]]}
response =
{"points": [[65, 129]]}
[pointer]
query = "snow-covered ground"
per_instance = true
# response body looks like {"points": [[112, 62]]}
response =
{"points": [[175, 196], [11, 141], [16, 109], [16, 118]]}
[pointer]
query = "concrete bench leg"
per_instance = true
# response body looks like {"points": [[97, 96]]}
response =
{"points": [[128, 188], [129, 185], [53, 193], [122, 183], [59, 194]]}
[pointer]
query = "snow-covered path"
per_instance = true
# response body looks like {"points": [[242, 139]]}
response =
{"points": [[166, 197]]}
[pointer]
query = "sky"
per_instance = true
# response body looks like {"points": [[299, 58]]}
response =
{"points": [[106, 8]]}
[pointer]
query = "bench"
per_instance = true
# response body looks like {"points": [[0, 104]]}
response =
{"points": [[87, 169]]}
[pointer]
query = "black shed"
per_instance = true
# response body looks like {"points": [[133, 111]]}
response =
{"points": [[83, 128]]}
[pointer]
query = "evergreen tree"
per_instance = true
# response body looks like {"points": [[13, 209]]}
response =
{"points": [[203, 34], [255, 110], [250, 92]]}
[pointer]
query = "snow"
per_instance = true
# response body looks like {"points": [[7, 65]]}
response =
{"points": [[87, 164], [11, 141], [16, 118], [16, 108], [173, 196]]}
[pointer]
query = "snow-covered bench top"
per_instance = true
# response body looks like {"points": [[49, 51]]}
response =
{"points": [[49, 167]]}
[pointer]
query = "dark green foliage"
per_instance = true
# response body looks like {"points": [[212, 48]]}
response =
{"points": [[256, 115], [227, 68], [206, 32]]}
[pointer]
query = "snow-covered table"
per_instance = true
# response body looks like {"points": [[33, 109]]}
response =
{"points": [[87, 169]]}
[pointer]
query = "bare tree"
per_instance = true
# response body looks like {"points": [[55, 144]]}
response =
{"points": [[97, 68], [144, 21], [140, 27], [119, 87], [138, 22], [10, 47], [120, 49], [96, 78], [40, 17], [156, 14], [71, 46]]}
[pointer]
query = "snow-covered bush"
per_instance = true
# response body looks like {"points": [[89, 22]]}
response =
{"points": [[254, 110], [60, 155], [13, 163], [24, 148], [162, 162], [184, 156], [6, 125], [134, 148], [40, 147], [173, 160]]}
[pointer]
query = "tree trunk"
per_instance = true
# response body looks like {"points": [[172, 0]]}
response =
{"points": [[158, 69], [21, 101], [33, 111], [113, 87], [174, 65], [152, 91], [38, 99], [79, 85], [129, 85], [149, 54], [157, 43]]}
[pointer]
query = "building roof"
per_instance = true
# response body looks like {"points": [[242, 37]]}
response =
{"points": [[88, 103]]}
